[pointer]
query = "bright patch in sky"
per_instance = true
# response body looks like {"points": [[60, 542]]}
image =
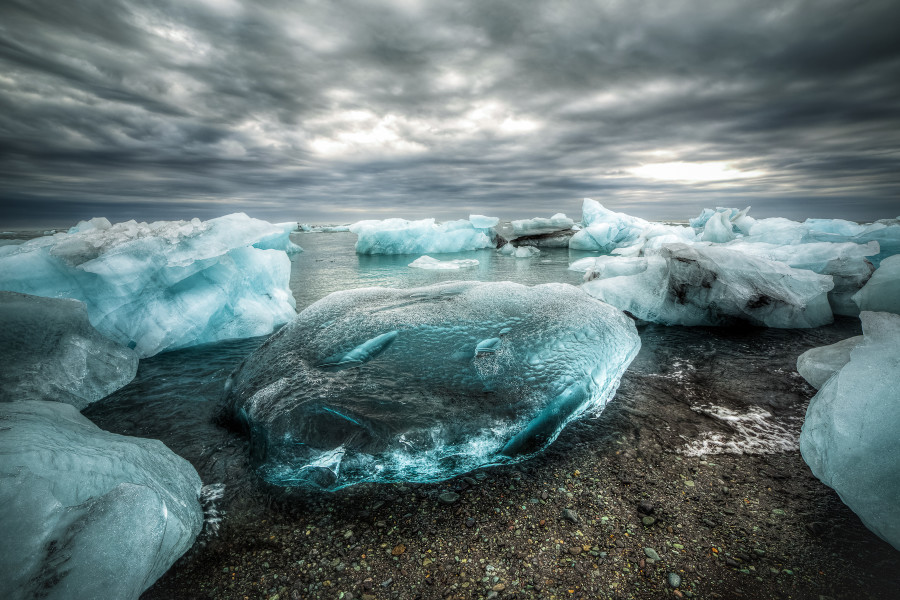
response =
{"points": [[693, 171]]}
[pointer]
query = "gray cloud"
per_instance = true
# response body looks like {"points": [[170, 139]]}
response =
{"points": [[334, 111]]}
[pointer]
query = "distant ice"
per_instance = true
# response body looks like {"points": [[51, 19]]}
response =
{"points": [[399, 236], [539, 225], [433, 264], [482, 222], [519, 252]]}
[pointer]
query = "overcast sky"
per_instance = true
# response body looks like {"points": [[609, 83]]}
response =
{"points": [[332, 111]]}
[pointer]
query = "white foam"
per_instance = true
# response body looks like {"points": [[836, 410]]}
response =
{"points": [[753, 432]]}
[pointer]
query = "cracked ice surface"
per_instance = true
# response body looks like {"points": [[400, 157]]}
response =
{"points": [[88, 513], [164, 285], [423, 384]]}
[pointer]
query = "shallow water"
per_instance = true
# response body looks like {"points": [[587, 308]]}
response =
{"points": [[721, 390]]}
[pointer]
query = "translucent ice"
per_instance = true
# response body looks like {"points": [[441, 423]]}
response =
{"points": [[482, 222], [424, 384], [163, 285], [849, 438], [87, 513], [817, 365], [882, 291], [557, 222], [50, 351], [399, 236], [709, 285], [520, 251], [433, 264], [605, 230]]}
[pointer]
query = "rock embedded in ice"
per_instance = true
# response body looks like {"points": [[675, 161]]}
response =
{"points": [[882, 292], [50, 351], [433, 264], [164, 285], [423, 384], [817, 365], [539, 225], [399, 236], [88, 513], [849, 438], [711, 285]]}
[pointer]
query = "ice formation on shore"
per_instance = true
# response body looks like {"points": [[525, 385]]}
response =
{"points": [[163, 285], [817, 365], [425, 236], [882, 292], [423, 384], [541, 225], [87, 513], [682, 284], [50, 351], [849, 438], [433, 264]]}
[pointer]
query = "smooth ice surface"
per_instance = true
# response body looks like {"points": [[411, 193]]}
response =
{"points": [[163, 285], [88, 513], [708, 285], [557, 222], [817, 365], [882, 292], [427, 262], [423, 384], [399, 236], [50, 351], [850, 436], [482, 222]]}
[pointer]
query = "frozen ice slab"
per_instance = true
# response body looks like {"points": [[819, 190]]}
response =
{"points": [[539, 225], [520, 251], [87, 513], [605, 230], [163, 285], [556, 239], [882, 291], [709, 285], [817, 365], [423, 384], [50, 351], [433, 264], [399, 236], [849, 438], [482, 222]]}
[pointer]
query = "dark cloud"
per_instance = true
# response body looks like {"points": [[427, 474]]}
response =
{"points": [[334, 111]]}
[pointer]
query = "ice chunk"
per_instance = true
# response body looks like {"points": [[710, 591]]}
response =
{"points": [[718, 229], [556, 239], [87, 513], [399, 236], [520, 251], [539, 225], [163, 285], [50, 351], [605, 230], [427, 262], [817, 365], [482, 222], [708, 285], [882, 291], [424, 384], [849, 438]]}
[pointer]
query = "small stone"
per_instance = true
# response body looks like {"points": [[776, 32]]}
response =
{"points": [[398, 550], [387, 582], [677, 594], [648, 521], [448, 497], [545, 494], [777, 512], [645, 507], [470, 522], [491, 595], [674, 580], [652, 554], [689, 483], [499, 587], [575, 550], [731, 562], [570, 515]]}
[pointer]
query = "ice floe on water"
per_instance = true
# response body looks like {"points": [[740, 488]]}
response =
{"points": [[540, 225], [425, 236], [163, 285], [520, 251], [750, 431], [433, 264], [423, 384]]}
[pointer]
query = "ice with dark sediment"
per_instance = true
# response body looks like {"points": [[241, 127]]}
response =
{"points": [[87, 513], [541, 225], [164, 285], [850, 436], [423, 384], [682, 284], [50, 351], [882, 292], [425, 236], [817, 365]]}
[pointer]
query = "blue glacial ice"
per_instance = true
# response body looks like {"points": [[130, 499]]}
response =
{"points": [[608, 232], [682, 284], [163, 285], [482, 222], [432, 264], [882, 292], [423, 384], [541, 225], [425, 236], [50, 351], [87, 513], [519, 251], [849, 438], [817, 365]]}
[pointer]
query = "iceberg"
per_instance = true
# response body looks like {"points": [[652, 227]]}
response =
{"points": [[682, 284], [482, 222], [849, 437], [882, 292], [424, 384], [399, 236], [163, 285], [520, 251], [540, 225], [817, 365], [433, 264], [87, 513], [604, 230], [50, 351]]}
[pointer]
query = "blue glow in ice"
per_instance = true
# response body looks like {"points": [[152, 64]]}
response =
{"points": [[425, 236]]}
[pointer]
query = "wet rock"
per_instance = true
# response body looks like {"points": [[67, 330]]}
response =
{"points": [[570, 515], [674, 580], [448, 497]]}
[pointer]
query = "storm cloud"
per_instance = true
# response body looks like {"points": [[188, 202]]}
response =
{"points": [[332, 111]]}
